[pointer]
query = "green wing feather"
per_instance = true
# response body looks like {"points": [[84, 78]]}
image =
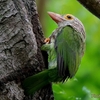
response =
{"points": [[67, 48]]}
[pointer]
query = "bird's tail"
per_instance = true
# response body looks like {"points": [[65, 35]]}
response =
{"points": [[38, 81]]}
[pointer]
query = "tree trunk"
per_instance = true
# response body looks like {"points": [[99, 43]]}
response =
{"points": [[21, 37]]}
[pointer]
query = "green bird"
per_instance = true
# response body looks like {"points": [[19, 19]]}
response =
{"points": [[65, 48]]}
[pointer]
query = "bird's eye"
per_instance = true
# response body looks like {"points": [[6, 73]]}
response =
{"points": [[68, 17]]}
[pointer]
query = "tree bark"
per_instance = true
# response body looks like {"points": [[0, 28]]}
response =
{"points": [[92, 5], [21, 37]]}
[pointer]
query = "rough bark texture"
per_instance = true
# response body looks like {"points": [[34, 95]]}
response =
{"points": [[92, 5], [20, 55]]}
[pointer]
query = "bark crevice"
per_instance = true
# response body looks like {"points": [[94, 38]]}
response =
{"points": [[21, 38]]}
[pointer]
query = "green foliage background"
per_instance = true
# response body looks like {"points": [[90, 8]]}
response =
{"points": [[86, 83]]}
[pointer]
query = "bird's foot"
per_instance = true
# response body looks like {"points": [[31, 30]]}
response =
{"points": [[47, 40]]}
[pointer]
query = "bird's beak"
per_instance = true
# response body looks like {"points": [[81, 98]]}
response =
{"points": [[56, 17]]}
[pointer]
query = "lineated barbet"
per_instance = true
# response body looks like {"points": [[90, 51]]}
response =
{"points": [[65, 48]]}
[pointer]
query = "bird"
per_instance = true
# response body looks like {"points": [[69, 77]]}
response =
{"points": [[65, 48]]}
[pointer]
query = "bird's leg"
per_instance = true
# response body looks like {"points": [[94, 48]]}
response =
{"points": [[47, 40]]}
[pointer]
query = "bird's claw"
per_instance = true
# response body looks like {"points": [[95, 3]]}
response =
{"points": [[47, 40]]}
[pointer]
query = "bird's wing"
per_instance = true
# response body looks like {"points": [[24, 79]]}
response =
{"points": [[67, 48]]}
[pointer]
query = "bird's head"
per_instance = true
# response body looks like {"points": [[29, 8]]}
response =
{"points": [[68, 19], [62, 20]]}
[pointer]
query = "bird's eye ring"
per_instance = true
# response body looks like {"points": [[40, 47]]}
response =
{"points": [[68, 17]]}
